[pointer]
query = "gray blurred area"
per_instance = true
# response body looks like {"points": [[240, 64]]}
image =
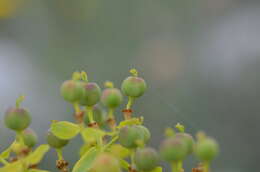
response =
{"points": [[200, 59]]}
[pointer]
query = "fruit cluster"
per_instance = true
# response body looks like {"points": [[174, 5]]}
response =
{"points": [[108, 145]]}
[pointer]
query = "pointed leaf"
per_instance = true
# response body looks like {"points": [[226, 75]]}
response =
{"points": [[92, 134], [85, 162], [36, 156], [13, 167], [119, 151], [84, 148], [64, 130], [6, 153]]}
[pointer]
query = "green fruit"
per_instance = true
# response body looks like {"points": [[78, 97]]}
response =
{"points": [[29, 137], [71, 90], [129, 136], [146, 133], [146, 159], [206, 149], [17, 119], [56, 142], [111, 97], [105, 163], [173, 149], [188, 139], [133, 86], [98, 114], [91, 95]]}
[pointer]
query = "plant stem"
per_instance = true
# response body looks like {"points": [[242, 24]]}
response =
{"points": [[179, 164], [59, 154], [112, 141], [90, 114], [206, 166], [19, 137], [174, 166], [76, 107], [130, 102], [111, 112], [132, 158]]}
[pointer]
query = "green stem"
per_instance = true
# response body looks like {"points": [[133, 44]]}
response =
{"points": [[174, 166], [206, 166], [179, 165], [59, 154], [132, 158], [112, 141], [76, 107], [19, 100], [90, 114], [19, 137], [130, 102], [111, 112]]}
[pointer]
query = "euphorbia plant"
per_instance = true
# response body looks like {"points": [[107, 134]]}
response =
{"points": [[108, 145]]}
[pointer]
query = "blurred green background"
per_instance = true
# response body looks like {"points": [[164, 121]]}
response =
{"points": [[200, 59]]}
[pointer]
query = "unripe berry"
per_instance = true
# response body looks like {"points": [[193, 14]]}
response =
{"points": [[146, 133], [146, 159], [17, 119], [129, 136], [188, 139], [29, 137], [71, 90], [98, 114], [91, 95], [173, 149], [133, 86], [206, 149], [111, 97], [105, 163], [56, 142]]}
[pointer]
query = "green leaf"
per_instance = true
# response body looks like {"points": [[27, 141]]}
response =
{"points": [[132, 121], [37, 170], [6, 153], [64, 130], [36, 156], [124, 164], [84, 148], [92, 134], [119, 151], [157, 169], [85, 162], [13, 167]]}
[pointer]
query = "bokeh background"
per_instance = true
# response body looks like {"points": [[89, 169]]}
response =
{"points": [[200, 59]]}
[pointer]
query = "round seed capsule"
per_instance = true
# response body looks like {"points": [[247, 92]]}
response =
{"points": [[188, 139], [146, 133], [106, 163], [129, 136], [173, 149], [71, 90], [29, 137], [146, 159], [206, 149], [91, 95], [111, 97], [133, 86], [98, 114], [17, 119], [56, 142]]}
